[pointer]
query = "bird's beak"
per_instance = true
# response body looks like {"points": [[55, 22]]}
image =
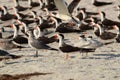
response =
{"points": [[115, 27], [11, 26], [18, 22], [55, 36], [36, 27]]}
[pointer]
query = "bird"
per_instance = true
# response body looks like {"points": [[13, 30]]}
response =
{"points": [[19, 7], [105, 35], [17, 38], [43, 23], [67, 48], [89, 42], [22, 15], [6, 15], [41, 37], [86, 26], [64, 14], [107, 22], [49, 4], [6, 55], [64, 27], [36, 44], [98, 3], [34, 4], [7, 44]]}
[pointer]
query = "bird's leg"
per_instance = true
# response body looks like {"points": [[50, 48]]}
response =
{"points": [[86, 54], [81, 52], [67, 56], [36, 54], [20, 49], [5, 60]]}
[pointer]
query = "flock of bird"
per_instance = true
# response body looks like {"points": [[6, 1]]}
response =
{"points": [[33, 27]]}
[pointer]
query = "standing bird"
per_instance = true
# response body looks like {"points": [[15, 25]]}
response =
{"points": [[36, 44], [66, 48]]}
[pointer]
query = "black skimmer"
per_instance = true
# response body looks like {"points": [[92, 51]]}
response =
{"points": [[67, 28], [22, 15], [7, 44], [5, 55], [18, 39], [41, 37], [50, 5], [34, 4], [19, 7], [86, 12], [36, 44], [6, 15], [98, 3], [44, 24], [86, 26], [64, 27], [82, 14], [27, 21], [105, 35], [51, 14], [66, 48], [25, 27], [107, 22]]}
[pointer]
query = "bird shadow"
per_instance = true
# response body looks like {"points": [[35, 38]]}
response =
{"points": [[103, 56], [24, 76]]}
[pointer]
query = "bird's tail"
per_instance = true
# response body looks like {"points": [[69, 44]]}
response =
{"points": [[21, 47], [108, 43], [54, 49], [87, 49]]}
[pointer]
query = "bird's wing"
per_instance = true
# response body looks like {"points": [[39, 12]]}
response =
{"points": [[62, 9], [72, 5], [39, 45]]}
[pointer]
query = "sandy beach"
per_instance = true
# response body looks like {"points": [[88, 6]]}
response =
{"points": [[103, 64]]}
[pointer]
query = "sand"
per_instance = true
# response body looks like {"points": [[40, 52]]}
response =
{"points": [[103, 64]]}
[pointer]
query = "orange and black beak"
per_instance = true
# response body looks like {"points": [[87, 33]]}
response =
{"points": [[55, 36]]}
